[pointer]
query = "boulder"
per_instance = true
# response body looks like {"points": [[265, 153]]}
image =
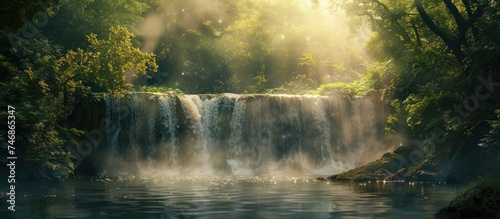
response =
{"points": [[476, 202]]}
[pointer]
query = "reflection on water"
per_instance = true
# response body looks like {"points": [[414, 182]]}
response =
{"points": [[227, 197]]}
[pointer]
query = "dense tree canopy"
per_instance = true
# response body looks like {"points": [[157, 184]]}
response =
{"points": [[42, 82], [426, 50], [437, 64]]}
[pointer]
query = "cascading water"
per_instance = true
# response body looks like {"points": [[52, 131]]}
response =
{"points": [[113, 128], [168, 128], [239, 134]]}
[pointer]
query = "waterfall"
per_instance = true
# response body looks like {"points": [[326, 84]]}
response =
{"points": [[113, 126], [239, 134], [168, 121]]}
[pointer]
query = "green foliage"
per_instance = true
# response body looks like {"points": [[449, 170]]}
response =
{"points": [[425, 57], [488, 181], [355, 88], [40, 104], [485, 53], [308, 62], [260, 83], [300, 84], [160, 89], [104, 64], [395, 119], [217, 46], [484, 193], [492, 139], [43, 84]]}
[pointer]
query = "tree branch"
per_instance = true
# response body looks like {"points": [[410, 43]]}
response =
{"points": [[428, 21], [461, 22], [452, 44]]}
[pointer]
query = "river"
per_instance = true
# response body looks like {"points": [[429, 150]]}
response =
{"points": [[227, 197]]}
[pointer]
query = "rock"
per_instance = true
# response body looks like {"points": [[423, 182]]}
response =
{"points": [[388, 156], [376, 170], [371, 168], [470, 212], [433, 168], [321, 178], [448, 212], [381, 174], [404, 151], [398, 176], [490, 213], [391, 165], [423, 176], [474, 194], [397, 166], [476, 202]]}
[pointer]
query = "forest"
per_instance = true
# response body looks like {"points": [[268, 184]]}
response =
{"points": [[435, 63]]}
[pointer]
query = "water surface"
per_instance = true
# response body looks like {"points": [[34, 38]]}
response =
{"points": [[227, 197]]}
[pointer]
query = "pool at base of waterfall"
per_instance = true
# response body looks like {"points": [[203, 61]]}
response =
{"points": [[129, 196]]}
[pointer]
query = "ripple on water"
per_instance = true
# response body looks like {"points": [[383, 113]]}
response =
{"points": [[228, 197]]}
